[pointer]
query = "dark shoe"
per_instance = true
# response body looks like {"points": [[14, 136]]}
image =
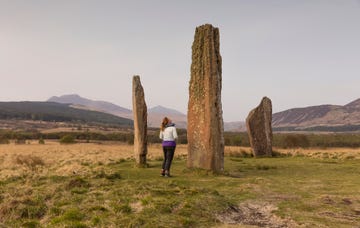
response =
{"points": [[162, 173]]}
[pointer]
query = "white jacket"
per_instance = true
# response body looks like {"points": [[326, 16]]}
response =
{"points": [[169, 134]]}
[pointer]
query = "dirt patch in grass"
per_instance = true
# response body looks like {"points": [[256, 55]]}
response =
{"points": [[345, 208], [254, 214]]}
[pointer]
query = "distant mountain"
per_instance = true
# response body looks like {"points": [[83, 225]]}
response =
{"points": [[51, 111], [237, 126], [84, 103], [353, 106], [157, 113], [322, 117], [163, 110], [319, 118]]}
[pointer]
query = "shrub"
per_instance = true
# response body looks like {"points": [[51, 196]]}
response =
{"points": [[292, 141], [130, 140], [67, 139], [182, 139], [41, 141], [4, 140], [236, 139], [20, 141]]}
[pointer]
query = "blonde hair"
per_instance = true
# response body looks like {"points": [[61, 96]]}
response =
{"points": [[164, 123]]}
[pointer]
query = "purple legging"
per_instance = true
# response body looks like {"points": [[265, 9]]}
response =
{"points": [[168, 157]]}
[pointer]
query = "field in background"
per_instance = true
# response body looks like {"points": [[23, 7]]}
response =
{"points": [[30, 130], [97, 185], [59, 159]]}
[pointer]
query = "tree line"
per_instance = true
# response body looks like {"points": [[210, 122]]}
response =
{"points": [[281, 140]]}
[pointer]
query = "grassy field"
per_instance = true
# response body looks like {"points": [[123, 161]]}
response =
{"points": [[97, 185]]}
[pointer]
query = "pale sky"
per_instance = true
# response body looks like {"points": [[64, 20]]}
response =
{"points": [[297, 52]]}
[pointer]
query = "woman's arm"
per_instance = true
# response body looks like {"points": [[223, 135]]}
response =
{"points": [[175, 133]]}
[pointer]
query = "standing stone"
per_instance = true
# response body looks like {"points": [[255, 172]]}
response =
{"points": [[140, 122], [205, 127], [259, 129]]}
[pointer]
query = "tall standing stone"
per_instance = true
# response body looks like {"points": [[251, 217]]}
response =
{"points": [[140, 121], [205, 127], [259, 128]]}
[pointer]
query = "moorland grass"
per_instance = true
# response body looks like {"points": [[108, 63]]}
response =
{"points": [[312, 192]]}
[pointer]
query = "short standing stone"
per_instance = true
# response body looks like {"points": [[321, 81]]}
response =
{"points": [[205, 130], [140, 121], [259, 128]]}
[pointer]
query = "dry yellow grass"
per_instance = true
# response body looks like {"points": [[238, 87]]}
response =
{"points": [[338, 153], [67, 159], [56, 159]]}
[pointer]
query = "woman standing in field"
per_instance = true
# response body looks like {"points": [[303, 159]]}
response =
{"points": [[168, 134]]}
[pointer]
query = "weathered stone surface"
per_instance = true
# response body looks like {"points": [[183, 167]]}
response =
{"points": [[140, 121], [205, 129], [259, 128]]}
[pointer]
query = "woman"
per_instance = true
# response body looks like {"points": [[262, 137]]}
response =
{"points": [[168, 134]]}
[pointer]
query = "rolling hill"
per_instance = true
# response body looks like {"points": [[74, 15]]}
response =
{"points": [[322, 117], [51, 111], [155, 114], [317, 118], [84, 103], [236, 126]]}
